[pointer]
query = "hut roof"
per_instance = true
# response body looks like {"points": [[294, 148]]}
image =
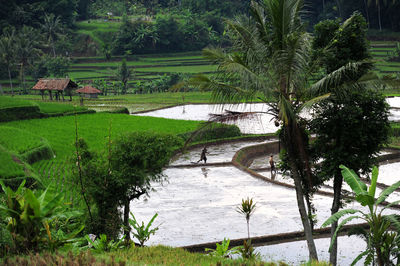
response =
{"points": [[54, 84], [88, 90]]}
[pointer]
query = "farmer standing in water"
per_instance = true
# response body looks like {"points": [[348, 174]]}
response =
{"points": [[272, 164], [203, 155]]}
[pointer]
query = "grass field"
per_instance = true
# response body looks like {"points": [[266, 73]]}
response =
{"points": [[10, 102], [60, 131], [9, 167], [17, 140]]}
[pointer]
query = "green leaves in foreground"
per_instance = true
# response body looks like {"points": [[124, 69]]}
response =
{"points": [[38, 220], [383, 235]]}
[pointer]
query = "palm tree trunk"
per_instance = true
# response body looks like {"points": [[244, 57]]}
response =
{"points": [[248, 229], [379, 17], [9, 76], [366, 12], [337, 188], [291, 143], [54, 49], [340, 8], [302, 210]]}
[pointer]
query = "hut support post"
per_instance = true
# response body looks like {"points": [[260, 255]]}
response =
{"points": [[42, 93], [50, 95]]}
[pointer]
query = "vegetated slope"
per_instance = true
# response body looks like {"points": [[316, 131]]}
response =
{"points": [[94, 128], [15, 108], [13, 170], [31, 148]]}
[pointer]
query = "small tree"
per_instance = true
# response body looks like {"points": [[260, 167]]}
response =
{"points": [[137, 159], [123, 75], [247, 208], [52, 27], [352, 125]]}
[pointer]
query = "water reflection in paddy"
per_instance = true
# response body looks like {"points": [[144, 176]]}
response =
{"points": [[258, 124], [198, 206]]}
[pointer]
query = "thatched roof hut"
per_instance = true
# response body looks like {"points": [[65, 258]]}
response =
{"points": [[88, 92], [59, 86]]}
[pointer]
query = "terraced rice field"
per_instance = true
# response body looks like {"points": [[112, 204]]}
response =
{"points": [[380, 52], [144, 66]]}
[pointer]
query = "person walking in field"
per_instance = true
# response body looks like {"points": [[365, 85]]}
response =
{"points": [[203, 156], [272, 165]]}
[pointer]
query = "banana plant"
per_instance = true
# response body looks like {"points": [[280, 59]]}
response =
{"points": [[142, 232], [31, 214], [383, 234]]}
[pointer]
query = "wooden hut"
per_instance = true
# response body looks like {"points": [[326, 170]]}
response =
{"points": [[88, 92], [58, 86]]}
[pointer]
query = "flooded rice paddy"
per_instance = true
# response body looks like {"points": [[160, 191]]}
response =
{"points": [[259, 123], [198, 203]]}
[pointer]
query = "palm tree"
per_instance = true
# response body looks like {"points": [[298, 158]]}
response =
{"points": [[272, 62], [378, 5], [7, 53], [51, 28], [26, 50]]}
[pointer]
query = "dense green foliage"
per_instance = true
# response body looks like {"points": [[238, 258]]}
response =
{"points": [[37, 219], [341, 44], [339, 123], [124, 172], [14, 170]]}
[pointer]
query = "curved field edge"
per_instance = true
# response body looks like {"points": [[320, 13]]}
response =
{"points": [[13, 170]]}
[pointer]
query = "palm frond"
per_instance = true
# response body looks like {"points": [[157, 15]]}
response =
{"points": [[337, 78], [313, 101]]}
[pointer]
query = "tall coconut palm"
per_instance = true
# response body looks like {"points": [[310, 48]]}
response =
{"points": [[272, 62], [26, 50], [378, 4], [51, 27], [7, 53]]}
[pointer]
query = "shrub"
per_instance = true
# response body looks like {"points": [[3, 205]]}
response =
{"points": [[217, 131]]}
